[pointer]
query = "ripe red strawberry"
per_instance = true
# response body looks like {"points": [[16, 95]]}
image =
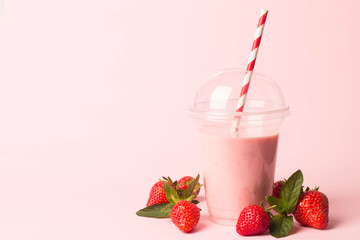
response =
{"points": [[185, 215], [276, 188], [157, 194], [184, 182], [253, 220], [312, 209]]}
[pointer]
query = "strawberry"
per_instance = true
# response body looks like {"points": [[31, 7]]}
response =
{"points": [[185, 215], [157, 194], [312, 209], [253, 220], [184, 182], [277, 187]]}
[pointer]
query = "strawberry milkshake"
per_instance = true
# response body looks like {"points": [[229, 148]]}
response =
{"points": [[237, 172], [238, 166]]}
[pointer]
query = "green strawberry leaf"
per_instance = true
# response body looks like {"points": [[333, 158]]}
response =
{"points": [[180, 193], [189, 190], [290, 191], [161, 210], [279, 204], [195, 201], [171, 194], [281, 225]]}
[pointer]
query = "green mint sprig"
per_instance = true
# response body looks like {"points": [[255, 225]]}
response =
{"points": [[173, 195], [281, 224], [161, 210]]}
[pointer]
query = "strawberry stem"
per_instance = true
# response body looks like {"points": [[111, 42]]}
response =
{"points": [[271, 207]]}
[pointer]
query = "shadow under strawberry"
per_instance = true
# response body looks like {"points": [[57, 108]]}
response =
{"points": [[333, 223], [200, 226], [297, 227]]}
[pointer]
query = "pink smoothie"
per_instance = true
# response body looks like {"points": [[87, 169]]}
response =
{"points": [[237, 172]]}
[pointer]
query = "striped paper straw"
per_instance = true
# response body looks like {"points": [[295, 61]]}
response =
{"points": [[250, 66]]}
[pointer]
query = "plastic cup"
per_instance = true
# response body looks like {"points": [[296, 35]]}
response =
{"points": [[238, 169]]}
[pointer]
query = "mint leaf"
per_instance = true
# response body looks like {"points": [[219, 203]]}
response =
{"points": [[170, 193], [161, 210], [280, 205], [189, 190], [281, 225], [290, 191]]}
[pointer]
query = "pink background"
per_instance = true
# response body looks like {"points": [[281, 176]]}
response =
{"points": [[94, 96]]}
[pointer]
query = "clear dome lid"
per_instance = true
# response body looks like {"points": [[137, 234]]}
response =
{"points": [[216, 100]]}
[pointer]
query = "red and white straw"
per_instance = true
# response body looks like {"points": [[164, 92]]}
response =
{"points": [[250, 66]]}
